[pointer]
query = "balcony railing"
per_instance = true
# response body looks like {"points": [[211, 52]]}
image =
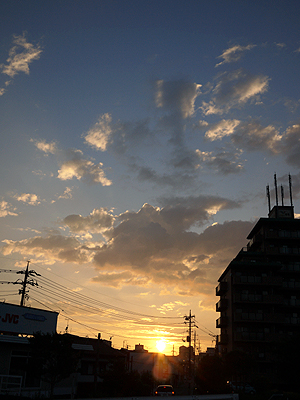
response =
{"points": [[258, 280], [222, 322], [222, 305], [258, 298], [260, 317], [221, 288]]}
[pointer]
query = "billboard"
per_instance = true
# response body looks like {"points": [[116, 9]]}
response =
{"points": [[26, 320]]}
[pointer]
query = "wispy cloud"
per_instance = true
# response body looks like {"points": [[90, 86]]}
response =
{"points": [[223, 161], [47, 148], [234, 89], [221, 129], [67, 194], [6, 209], [21, 55], [28, 198], [280, 45], [234, 53]]}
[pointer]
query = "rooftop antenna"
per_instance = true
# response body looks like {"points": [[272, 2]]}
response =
{"points": [[282, 195], [269, 199], [276, 193], [290, 185]]}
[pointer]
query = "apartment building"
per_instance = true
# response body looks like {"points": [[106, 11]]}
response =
{"points": [[259, 290]]}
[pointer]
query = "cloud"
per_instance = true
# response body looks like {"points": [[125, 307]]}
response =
{"points": [[47, 148], [80, 168], [175, 180], [28, 198], [234, 89], [156, 250], [51, 248], [117, 136], [224, 162], [221, 129], [280, 45], [233, 53], [99, 220], [21, 55], [253, 136], [100, 134], [291, 146], [6, 209], [155, 245], [67, 194], [177, 96]]}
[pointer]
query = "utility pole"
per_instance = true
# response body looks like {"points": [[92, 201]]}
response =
{"points": [[26, 282], [28, 273], [190, 321], [23, 290]]}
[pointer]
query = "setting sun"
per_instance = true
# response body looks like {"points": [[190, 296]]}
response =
{"points": [[161, 345]]}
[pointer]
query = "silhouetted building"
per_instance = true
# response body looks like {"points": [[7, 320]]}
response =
{"points": [[94, 356], [259, 290]]}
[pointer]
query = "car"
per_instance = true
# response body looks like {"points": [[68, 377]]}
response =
{"points": [[238, 387], [164, 390]]}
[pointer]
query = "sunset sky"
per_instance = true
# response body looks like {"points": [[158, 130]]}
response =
{"points": [[137, 140]]}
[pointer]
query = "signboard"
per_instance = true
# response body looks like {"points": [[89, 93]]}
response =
{"points": [[26, 320]]}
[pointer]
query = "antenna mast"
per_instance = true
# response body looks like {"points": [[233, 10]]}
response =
{"points": [[269, 200], [282, 195], [290, 185], [276, 193]]}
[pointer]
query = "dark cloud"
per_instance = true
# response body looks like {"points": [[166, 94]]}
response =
{"points": [[155, 245], [177, 96], [224, 161], [292, 145]]}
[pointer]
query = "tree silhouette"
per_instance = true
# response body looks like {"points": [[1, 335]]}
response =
{"points": [[53, 357], [210, 375]]}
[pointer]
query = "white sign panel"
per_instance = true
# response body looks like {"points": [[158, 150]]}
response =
{"points": [[26, 320]]}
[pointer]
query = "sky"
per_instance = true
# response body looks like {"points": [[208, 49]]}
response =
{"points": [[137, 141]]}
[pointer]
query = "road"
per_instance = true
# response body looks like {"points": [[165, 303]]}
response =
{"points": [[231, 396]]}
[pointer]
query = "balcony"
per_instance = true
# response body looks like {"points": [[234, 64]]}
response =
{"points": [[258, 298], [221, 289], [255, 242], [222, 322], [222, 305], [249, 336], [251, 317], [258, 280]]}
